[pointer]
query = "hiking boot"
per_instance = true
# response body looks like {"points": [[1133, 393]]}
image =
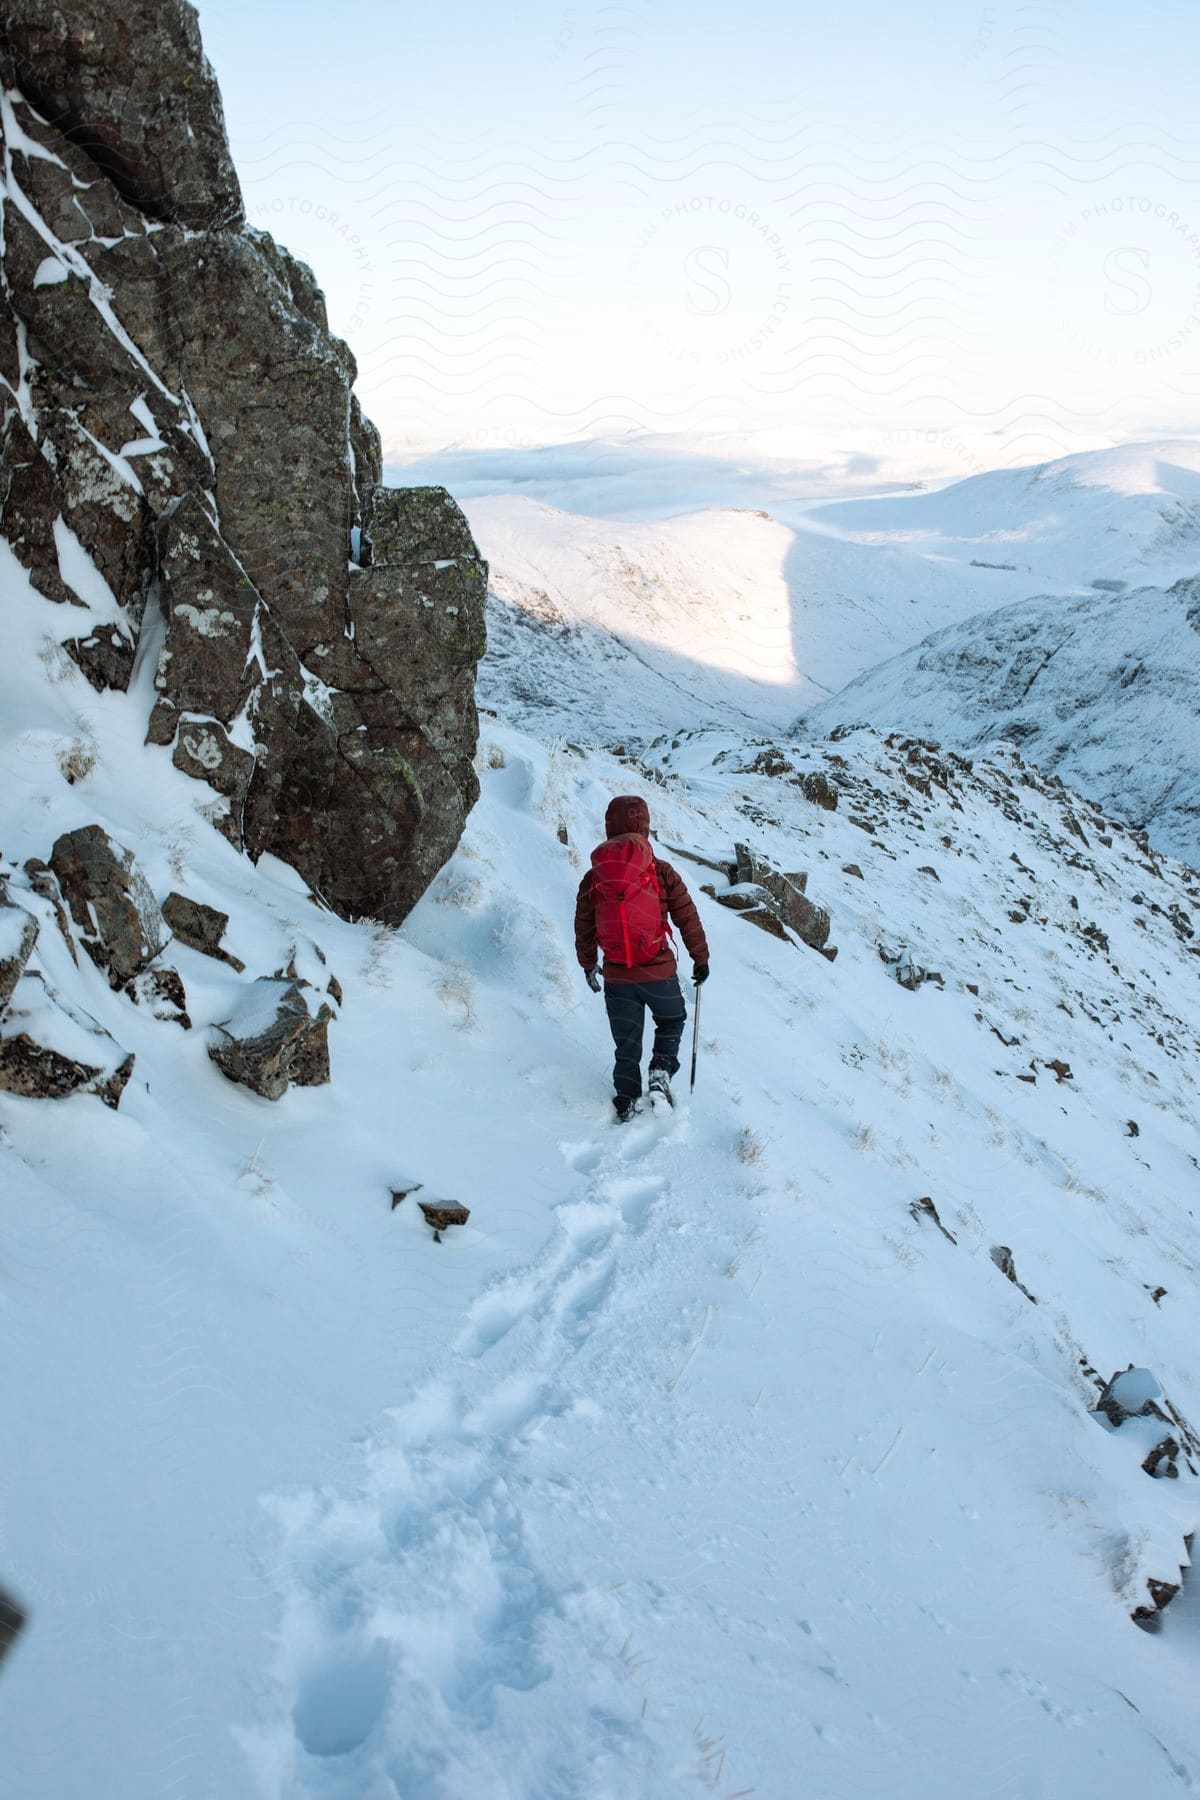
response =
{"points": [[660, 1083], [625, 1107]]}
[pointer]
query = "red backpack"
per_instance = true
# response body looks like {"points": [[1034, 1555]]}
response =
{"points": [[627, 900]]}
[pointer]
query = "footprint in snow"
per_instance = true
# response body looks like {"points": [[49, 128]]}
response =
{"points": [[342, 1698], [589, 1223], [515, 1406], [587, 1226], [582, 1295], [634, 1194], [583, 1158], [493, 1316], [640, 1136]]}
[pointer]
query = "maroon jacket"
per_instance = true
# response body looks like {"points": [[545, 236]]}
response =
{"points": [[630, 813]]}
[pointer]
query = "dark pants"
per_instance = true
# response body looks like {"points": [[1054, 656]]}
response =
{"points": [[626, 1003]]}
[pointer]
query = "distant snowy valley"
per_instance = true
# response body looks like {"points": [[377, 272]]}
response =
{"points": [[1055, 608]]}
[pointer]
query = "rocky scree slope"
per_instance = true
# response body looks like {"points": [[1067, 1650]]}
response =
{"points": [[185, 469]]}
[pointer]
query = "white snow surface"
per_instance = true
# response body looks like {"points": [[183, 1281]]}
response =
{"points": [[697, 1462], [14, 923]]}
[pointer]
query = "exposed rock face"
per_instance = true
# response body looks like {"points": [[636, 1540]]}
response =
{"points": [[186, 421], [273, 1039], [138, 96], [820, 790], [441, 1214], [773, 901], [115, 914], [1002, 1256]]}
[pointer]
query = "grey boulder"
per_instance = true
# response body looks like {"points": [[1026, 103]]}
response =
{"points": [[272, 1039], [114, 912]]}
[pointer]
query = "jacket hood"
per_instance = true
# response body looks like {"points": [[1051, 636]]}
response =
{"points": [[627, 812]]}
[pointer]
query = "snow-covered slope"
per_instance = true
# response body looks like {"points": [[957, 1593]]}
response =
{"points": [[619, 626], [1105, 691], [701, 1459], [610, 629], [615, 629], [1128, 515]]}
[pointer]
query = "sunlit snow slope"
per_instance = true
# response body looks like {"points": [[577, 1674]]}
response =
{"points": [[704, 1459], [609, 629], [1129, 515]]}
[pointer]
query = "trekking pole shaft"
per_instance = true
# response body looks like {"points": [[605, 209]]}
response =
{"points": [[695, 1037]]}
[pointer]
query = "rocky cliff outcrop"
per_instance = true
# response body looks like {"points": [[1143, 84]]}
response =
{"points": [[185, 468]]}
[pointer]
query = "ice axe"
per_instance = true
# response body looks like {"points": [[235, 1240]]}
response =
{"points": [[695, 1038]]}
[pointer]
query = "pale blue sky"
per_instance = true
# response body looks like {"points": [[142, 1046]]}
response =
{"points": [[976, 227]]}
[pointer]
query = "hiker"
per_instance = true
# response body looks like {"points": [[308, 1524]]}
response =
{"points": [[623, 907]]}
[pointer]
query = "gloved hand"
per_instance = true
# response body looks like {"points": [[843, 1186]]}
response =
{"points": [[593, 980], [699, 973]]}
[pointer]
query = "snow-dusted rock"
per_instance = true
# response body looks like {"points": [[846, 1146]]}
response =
{"points": [[50, 1048], [785, 898], [1133, 1401], [818, 788], [161, 992], [200, 927], [905, 969], [18, 935], [116, 916], [441, 1214], [271, 1039], [1002, 1256]]}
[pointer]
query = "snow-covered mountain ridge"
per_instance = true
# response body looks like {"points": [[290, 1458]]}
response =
{"points": [[1102, 690], [1125, 515]]}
